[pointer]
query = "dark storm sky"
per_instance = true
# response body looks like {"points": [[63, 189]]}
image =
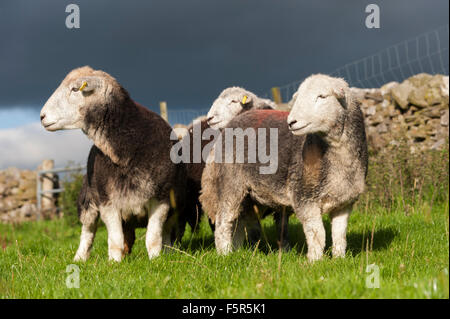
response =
{"points": [[187, 51]]}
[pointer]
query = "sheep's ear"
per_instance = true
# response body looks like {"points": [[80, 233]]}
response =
{"points": [[87, 84], [246, 100], [341, 95]]}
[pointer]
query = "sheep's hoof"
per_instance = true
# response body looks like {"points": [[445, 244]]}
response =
{"points": [[153, 254], [79, 257], [338, 253], [223, 251], [314, 256], [116, 255]]}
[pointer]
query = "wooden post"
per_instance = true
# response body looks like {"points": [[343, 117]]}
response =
{"points": [[163, 110], [47, 201], [276, 95]]}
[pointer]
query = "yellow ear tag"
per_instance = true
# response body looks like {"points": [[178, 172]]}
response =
{"points": [[83, 86], [244, 99]]}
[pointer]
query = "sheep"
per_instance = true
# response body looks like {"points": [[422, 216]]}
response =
{"points": [[322, 166], [230, 103], [131, 181]]}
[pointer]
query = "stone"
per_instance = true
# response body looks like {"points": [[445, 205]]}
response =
{"points": [[420, 79], [386, 89], [25, 184], [431, 112], [27, 194], [3, 190], [28, 210], [377, 119], [418, 134], [417, 97], [382, 128], [444, 89], [371, 110], [13, 173], [374, 95], [438, 144], [28, 175], [444, 118], [401, 92]]}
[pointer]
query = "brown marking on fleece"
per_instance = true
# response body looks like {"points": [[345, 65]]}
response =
{"points": [[263, 115]]}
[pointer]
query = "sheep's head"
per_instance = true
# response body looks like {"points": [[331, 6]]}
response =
{"points": [[83, 88], [231, 102], [320, 106]]}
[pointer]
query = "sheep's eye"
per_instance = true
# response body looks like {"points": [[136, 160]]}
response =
{"points": [[321, 96], [75, 89]]}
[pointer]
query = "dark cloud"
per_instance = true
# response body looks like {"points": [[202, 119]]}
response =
{"points": [[187, 51]]}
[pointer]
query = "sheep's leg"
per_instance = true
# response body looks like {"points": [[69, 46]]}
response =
{"points": [[89, 220], [282, 224], [339, 221], [224, 232], [170, 232], [155, 228], [129, 238], [314, 233], [113, 221]]}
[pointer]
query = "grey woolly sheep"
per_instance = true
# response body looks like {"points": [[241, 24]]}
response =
{"points": [[230, 103], [322, 165]]}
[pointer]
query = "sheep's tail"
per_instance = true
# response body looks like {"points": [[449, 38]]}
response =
{"points": [[209, 197]]}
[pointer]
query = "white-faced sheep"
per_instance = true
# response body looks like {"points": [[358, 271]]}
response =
{"points": [[230, 103], [322, 165], [131, 181]]}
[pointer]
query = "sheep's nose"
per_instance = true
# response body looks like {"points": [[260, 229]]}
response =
{"points": [[42, 117], [209, 118], [292, 122]]}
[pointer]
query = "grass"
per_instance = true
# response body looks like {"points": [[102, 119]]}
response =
{"points": [[400, 224], [411, 249]]}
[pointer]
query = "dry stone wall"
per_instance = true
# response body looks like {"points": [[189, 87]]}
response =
{"points": [[414, 112], [17, 195]]}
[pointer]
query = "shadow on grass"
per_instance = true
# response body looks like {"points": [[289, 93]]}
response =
{"points": [[382, 238], [356, 241]]}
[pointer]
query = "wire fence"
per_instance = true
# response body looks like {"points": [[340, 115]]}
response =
{"points": [[54, 177], [427, 52], [184, 117]]}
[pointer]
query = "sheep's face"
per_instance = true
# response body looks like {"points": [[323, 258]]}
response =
{"points": [[320, 105], [65, 109], [231, 102]]}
